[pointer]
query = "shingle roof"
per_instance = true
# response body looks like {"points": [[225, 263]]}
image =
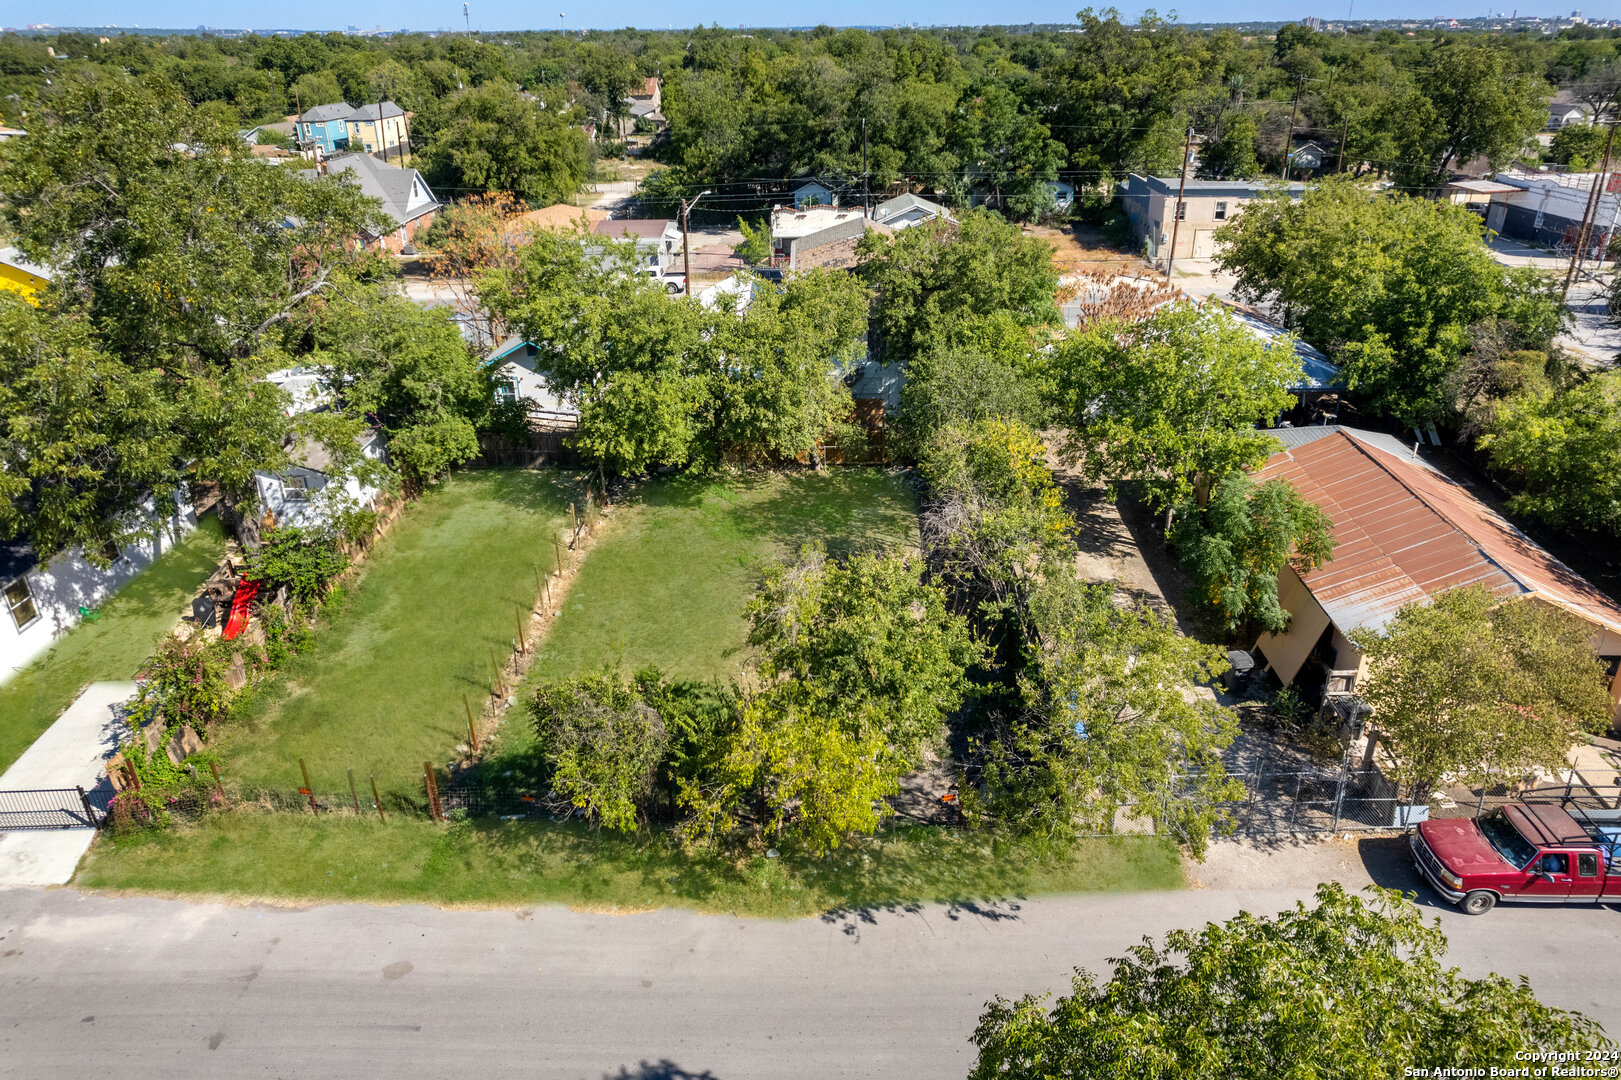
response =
{"points": [[1404, 531], [321, 113], [646, 228], [390, 183], [376, 111]]}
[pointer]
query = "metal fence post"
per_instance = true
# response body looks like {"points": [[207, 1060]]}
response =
{"points": [[308, 790], [89, 810], [1339, 793], [433, 791], [352, 793], [377, 799]]}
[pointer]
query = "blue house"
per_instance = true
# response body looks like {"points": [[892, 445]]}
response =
{"points": [[326, 127]]}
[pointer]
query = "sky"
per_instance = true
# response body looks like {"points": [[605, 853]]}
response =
{"points": [[659, 14]]}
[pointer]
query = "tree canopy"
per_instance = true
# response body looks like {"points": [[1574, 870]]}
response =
{"points": [[1346, 988]]}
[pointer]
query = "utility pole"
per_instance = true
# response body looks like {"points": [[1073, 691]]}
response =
{"points": [[1176, 218], [1289, 140], [1345, 135], [686, 248], [467, 20], [866, 195], [1594, 200]]}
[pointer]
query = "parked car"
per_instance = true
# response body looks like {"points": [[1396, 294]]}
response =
{"points": [[1536, 853]]}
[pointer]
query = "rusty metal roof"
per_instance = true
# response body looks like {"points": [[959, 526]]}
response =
{"points": [[1405, 532]]}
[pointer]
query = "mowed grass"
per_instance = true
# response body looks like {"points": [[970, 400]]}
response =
{"points": [[113, 647], [667, 583], [408, 860], [382, 690]]}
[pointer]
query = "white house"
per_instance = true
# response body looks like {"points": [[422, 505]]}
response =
{"points": [[45, 601], [310, 491], [516, 379], [813, 193], [906, 210], [658, 240]]}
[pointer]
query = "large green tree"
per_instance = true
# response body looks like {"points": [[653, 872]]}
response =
{"points": [[1469, 687], [1171, 399], [1562, 449], [492, 138], [930, 276], [1346, 988], [601, 744], [1469, 102], [1390, 285], [184, 270]]}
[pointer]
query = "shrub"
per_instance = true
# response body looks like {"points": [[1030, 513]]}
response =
{"points": [[303, 560], [186, 680], [602, 745]]}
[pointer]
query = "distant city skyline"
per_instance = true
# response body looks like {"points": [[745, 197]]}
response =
{"points": [[496, 15]]}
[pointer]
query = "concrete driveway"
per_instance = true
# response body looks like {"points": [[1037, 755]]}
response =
{"points": [[72, 752], [211, 990]]}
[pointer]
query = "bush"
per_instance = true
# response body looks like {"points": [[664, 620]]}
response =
{"points": [[303, 560], [185, 681], [602, 745]]}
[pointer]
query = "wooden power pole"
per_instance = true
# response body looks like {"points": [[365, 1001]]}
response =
{"points": [[1595, 198], [1176, 216]]}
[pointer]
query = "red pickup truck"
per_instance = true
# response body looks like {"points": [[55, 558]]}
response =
{"points": [[1522, 852]]}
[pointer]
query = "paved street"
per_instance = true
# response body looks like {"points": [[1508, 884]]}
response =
{"points": [[143, 987]]}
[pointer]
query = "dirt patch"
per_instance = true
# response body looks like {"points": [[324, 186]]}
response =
{"points": [[1083, 247], [1288, 863]]}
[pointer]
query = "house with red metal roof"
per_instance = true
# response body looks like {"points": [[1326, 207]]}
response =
{"points": [[1403, 531]]}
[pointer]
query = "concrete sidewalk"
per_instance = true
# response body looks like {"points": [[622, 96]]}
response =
{"points": [[72, 752]]}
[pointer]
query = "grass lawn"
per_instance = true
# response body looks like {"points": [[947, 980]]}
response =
{"points": [[382, 690], [132, 623], [667, 584], [409, 860]]}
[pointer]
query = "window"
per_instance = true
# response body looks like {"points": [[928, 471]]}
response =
{"points": [[110, 552], [20, 599], [1221, 210], [1181, 211], [505, 392], [296, 488], [1587, 864], [1556, 863]]}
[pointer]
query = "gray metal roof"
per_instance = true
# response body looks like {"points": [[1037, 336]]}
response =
{"points": [[1237, 189], [322, 113], [1293, 438], [902, 203], [1317, 371]]}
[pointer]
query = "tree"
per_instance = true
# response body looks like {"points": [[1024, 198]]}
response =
{"points": [[185, 274], [1562, 447], [315, 88], [601, 744], [1469, 103], [756, 246], [1231, 156], [867, 632], [1173, 397], [490, 138], [862, 662], [1108, 723], [963, 385], [1579, 146], [935, 273], [1389, 284], [409, 370], [1465, 686], [1349, 987], [1015, 152], [1236, 545]]}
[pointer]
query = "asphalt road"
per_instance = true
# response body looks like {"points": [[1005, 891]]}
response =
{"points": [[133, 987]]}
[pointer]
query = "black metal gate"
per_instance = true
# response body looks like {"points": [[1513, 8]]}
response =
{"points": [[53, 808]]}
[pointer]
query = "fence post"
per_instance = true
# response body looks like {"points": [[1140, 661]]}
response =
{"points": [[378, 799], [500, 683], [308, 790], [575, 535], [540, 587], [219, 788], [1339, 792], [472, 728], [557, 552], [433, 792], [89, 810], [352, 793], [1294, 806], [517, 613]]}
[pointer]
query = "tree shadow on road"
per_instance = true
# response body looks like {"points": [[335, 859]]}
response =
{"points": [[664, 1069]]}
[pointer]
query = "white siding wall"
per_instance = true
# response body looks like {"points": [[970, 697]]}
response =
{"points": [[69, 583]]}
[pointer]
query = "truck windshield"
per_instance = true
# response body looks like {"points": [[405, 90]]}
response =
{"points": [[1502, 835]]}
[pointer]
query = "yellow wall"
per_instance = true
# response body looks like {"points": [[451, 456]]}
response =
{"points": [[21, 281], [1286, 652], [373, 135]]}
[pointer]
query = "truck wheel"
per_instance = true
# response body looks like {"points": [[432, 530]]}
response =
{"points": [[1478, 902]]}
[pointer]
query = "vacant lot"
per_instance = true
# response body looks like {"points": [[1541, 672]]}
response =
{"points": [[382, 691], [114, 646], [667, 582], [409, 860]]}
